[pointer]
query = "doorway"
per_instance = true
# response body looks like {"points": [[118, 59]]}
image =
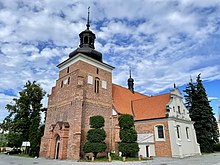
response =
{"points": [[57, 147], [147, 151]]}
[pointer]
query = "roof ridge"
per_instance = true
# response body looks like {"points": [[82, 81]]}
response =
{"points": [[129, 90], [149, 97]]}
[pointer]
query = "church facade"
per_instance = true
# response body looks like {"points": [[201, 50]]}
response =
{"points": [[84, 89]]}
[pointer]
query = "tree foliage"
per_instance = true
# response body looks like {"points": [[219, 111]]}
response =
{"points": [[23, 121], [202, 114], [128, 145], [97, 121], [126, 121], [95, 136]]}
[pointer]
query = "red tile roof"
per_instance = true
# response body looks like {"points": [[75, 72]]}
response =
{"points": [[122, 98], [141, 106]]}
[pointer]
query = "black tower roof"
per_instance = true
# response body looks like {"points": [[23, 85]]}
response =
{"points": [[131, 83], [87, 40]]}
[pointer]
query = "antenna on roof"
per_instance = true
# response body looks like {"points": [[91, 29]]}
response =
{"points": [[88, 25]]}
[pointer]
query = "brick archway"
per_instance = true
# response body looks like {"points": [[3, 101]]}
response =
{"points": [[57, 147], [59, 140]]}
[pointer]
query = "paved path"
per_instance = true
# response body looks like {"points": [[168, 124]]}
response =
{"points": [[208, 159]]}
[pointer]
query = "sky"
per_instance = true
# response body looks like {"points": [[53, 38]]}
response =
{"points": [[163, 42]]}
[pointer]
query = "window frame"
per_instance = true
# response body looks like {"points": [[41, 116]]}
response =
{"points": [[97, 85], [187, 134], [157, 134], [178, 131]]}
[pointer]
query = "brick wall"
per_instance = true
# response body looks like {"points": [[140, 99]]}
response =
{"points": [[73, 100], [162, 148]]}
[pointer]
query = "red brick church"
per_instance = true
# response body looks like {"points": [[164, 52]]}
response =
{"points": [[84, 89]]}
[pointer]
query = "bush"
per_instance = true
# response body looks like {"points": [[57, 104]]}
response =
{"points": [[97, 122], [96, 135], [128, 149], [94, 147], [128, 135], [216, 147], [126, 121]]}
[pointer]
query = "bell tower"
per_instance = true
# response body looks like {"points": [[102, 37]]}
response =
{"points": [[83, 89]]}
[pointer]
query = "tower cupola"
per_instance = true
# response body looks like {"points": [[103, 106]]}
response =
{"points": [[87, 41], [131, 83], [87, 37]]}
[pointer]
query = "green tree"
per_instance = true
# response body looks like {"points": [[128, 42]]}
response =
{"points": [[128, 145], [23, 121], [202, 114], [95, 136]]}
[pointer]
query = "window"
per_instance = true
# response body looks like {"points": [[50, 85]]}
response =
{"points": [[178, 109], [187, 133], [96, 89], [160, 131], [61, 84], [104, 84], [86, 39], [178, 131], [68, 70], [68, 80], [97, 70], [173, 109], [90, 79]]}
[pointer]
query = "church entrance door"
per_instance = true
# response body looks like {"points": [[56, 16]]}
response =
{"points": [[57, 147]]}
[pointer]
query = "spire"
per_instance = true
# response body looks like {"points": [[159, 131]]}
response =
{"points": [[87, 43], [131, 83], [88, 25], [174, 85], [130, 72]]}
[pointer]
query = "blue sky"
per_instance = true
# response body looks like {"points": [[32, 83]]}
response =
{"points": [[164, 42]]}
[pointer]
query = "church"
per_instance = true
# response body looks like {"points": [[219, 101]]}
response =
{"points": [[84, 88]]}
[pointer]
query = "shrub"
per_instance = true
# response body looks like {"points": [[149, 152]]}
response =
{"points": [[128, 149], [126, 121], [97, 121], [216, 147], [96, 135], [128, 135]]}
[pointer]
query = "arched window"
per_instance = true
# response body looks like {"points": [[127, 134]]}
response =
{"points": [[57, 147], [68, 80], [160, 131], [61, 84], [178, 131], [187, 132], [178, 109], [96, 89], [86, 39]]}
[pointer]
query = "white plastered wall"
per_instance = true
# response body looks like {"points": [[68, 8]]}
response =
{"points": [[145, 140], [179, 116]]}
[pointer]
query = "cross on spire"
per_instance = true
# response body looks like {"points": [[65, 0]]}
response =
{"points": [[88, 25]]}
